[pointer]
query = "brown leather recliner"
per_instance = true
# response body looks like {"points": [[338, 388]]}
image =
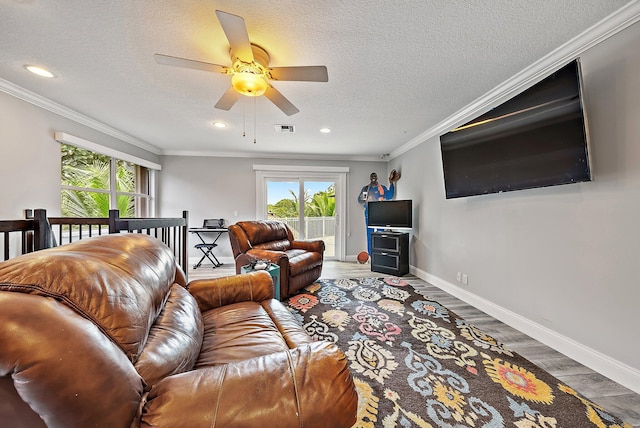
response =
{"points": [[104, 332], [300, 261]]}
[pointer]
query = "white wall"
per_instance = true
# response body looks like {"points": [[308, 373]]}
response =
{"points": [[30, 157], [206, 186], [27, 173], [565, 258], [214, 187]]}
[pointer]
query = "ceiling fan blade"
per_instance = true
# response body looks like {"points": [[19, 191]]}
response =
{"points": [[236, 32], [189, 63], [280, 101], [313, 73], [228, 99]]}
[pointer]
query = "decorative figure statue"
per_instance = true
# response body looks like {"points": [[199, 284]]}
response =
{"points": [[375, 191]]}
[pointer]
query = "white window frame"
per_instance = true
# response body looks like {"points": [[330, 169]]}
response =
{"points": [[114, 154], [319, 173]]}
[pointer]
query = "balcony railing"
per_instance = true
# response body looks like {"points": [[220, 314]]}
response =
{"points": [[51, 231], [314, 227]]}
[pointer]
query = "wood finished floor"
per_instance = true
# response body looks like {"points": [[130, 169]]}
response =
{"points": [[617, 399]]}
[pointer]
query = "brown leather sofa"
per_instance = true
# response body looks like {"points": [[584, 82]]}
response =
{"points": [[104, 332], [300, 261]]}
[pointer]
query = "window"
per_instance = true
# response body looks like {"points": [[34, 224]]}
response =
{"points": [[279, 188], [93, 183]]}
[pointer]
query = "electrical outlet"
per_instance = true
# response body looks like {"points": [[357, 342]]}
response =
{"points": [[459, 277], [465, 279]]}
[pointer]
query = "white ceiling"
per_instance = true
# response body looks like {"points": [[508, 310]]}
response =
{"points": [[396, 68]]}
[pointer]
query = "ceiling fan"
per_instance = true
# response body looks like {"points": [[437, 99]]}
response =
{"points": [[250, 69]]}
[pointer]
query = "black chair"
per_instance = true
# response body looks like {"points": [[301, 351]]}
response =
{"points": [[216, 224]]}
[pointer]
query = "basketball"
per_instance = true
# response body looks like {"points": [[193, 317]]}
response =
{"points": [[363, 257]]}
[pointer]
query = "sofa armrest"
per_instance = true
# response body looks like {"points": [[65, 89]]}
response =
{"points": [[308, 386], [316, 246], [276, 257], [213, 293]]}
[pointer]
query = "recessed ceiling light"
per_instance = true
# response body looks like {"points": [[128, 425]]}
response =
{"points": [[219, 124], [325, 130], [39, 71]]}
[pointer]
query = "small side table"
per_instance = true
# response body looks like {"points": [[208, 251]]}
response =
{"points": [[273, 270]]}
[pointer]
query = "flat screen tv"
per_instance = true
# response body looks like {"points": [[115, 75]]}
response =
{"points": [[394, 214], [538, 138]]}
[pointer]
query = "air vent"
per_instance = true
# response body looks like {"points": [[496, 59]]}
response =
{"points": [[285, 129]]}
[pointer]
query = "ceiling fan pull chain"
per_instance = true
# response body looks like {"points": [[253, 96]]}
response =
{"points": [[244, 118], [254, 120]]}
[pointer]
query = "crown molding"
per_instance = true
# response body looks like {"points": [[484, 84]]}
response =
{"points": [[609, 26], [283, 156], [64, 138], [301, 168], [45, 103]]}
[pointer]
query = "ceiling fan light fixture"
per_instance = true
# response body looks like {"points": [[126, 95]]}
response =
{"points": [[250, 72], [249, 84]]}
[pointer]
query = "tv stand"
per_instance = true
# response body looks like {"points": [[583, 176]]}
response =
{"points": [[390, 253]]}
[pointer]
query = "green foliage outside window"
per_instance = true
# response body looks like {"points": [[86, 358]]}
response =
{"points": [[83, 170], [321, 204]]}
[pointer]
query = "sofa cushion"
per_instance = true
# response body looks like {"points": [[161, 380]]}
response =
{"points": [[120, 285], [174, 340], [62, 366], [309, 386], [263, 231], [237, 332], [302, 261], [279, 245]]}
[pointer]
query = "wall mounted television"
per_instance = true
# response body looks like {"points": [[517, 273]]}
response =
{"points": [[538, 138], [393, 214]]}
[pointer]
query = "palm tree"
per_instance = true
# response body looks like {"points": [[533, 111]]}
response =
{"points": [[322, 204], [83, 170]]}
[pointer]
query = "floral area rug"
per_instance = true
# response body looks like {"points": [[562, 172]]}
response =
{"points": [[418, 364]]}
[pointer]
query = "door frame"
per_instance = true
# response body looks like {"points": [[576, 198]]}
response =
{"points": [[307, 173]]}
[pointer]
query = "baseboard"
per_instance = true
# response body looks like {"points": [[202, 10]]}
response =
{"points": [[613, 369]]}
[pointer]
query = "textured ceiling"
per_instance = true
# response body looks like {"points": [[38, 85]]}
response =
{"points": [[396, 68]]}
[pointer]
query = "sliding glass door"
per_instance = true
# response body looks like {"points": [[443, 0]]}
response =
{"points": [[310, 204], [308, 207]]}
